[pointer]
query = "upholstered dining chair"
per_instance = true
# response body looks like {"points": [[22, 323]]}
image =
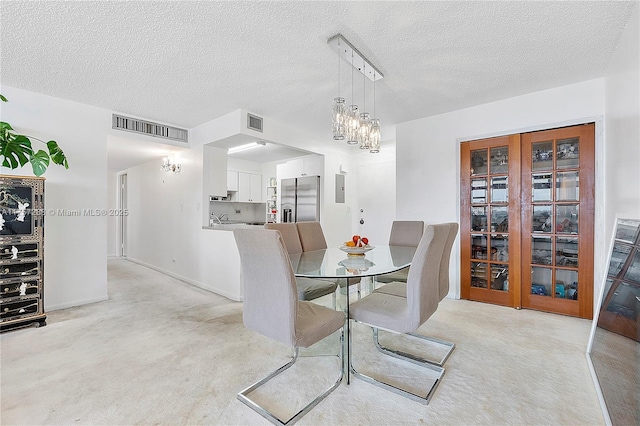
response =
{"points": [[403, 233], [404, 315], [271, 308], [312, 238], [308, 288], [400, 289]]}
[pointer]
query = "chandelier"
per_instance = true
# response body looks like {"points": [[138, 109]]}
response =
{"points": [[348, 122], [168, 165]]}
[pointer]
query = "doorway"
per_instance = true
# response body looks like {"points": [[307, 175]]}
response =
{"points": [[376, 201]]}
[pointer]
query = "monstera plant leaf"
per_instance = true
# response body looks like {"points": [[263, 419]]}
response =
{"points": [[57, 156], [16, 149], [39, 162]]}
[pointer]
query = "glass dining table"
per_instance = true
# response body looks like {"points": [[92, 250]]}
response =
{"points": [[335, 263]]}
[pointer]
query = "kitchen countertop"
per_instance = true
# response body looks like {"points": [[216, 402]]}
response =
{"points": [[232, 226]]}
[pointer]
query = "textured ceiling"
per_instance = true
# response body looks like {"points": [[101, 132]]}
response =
{"points": [[185, 63]]}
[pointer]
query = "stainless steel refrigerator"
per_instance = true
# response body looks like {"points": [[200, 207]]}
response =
{"points": [[300, 199]]}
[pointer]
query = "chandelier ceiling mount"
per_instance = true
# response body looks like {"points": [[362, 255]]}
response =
{"points": [[349, 53]]}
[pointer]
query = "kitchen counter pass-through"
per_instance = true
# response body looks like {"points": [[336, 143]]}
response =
{"points": [[230, 226]]}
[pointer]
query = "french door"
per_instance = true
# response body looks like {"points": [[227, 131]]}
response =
{"points": [[490, 220], [526, 208], [558, 183]]}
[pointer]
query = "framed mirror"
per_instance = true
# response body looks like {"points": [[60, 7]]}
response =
{"points": [[613, 351]]}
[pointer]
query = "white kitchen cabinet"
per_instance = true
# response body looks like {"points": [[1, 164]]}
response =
{"points": [[249, 187], [232, 180]]}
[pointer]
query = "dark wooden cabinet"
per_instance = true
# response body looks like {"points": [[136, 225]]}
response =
{"points": [[526, 215], [21, 252]]}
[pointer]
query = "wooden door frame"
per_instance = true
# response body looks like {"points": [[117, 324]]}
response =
{"points": [[597, 190]]}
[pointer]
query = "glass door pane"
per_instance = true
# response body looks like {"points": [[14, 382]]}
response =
{"points": [[479, 162], [542, 218], [499, 219], [499, 189], [567, 186], [479, 191], [500, 247], [566, 284], [567, 251], [567, 219], [479, 275], [541, 250], [478, 246], [541, 186], [568, 153], [499, 160], [542, 156], [479, 218], [500, 277], [541, 281]]}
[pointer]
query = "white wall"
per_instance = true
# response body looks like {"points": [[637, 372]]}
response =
{"points": [[165, 230], [622, 124], [336, 218], [75, 269], [428, 155]]}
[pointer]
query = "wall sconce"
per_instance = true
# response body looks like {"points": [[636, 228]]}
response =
{"points": [[169, 166]]}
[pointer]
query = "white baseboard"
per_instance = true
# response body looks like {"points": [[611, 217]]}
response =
{"points": [[186, 280], [49, 308]]}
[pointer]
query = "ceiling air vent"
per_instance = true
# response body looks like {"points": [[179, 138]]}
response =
{"points": [[254, 122], [129, 124]]}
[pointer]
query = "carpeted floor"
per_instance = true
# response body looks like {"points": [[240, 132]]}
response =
{"points": [[161, 351]]}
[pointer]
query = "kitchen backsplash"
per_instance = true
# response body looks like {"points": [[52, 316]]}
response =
{"points": [[245, 212]]}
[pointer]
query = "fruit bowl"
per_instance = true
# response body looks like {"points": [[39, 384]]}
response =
{"points": [[355, 251]]}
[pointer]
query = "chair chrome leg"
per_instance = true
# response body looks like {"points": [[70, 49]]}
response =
{"points": [[448, 344], [348, 354], [243, 395], [422, 399], [414, 358]]}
